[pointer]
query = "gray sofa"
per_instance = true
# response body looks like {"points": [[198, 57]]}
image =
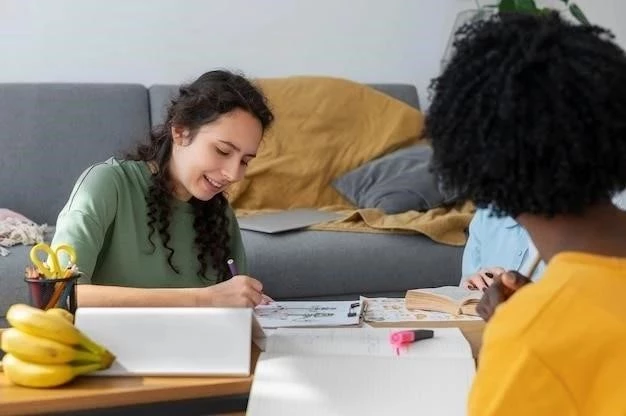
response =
{"points": [[52, 132]]}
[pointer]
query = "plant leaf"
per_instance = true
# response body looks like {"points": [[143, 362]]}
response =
{"points": [[578, 14], [507, 6], [526, 6]]}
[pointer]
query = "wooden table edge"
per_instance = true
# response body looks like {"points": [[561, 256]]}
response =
{"points": [[128, 397], [215, 387]]}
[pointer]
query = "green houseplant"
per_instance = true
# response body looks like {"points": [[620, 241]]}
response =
{"points": [[530, 6], [483, 11]]}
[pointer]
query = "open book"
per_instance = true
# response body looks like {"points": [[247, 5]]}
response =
{"points": [[356, 371], [450, 299]]}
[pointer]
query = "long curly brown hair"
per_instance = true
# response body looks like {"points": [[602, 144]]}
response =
{"points": [[214, 93]]}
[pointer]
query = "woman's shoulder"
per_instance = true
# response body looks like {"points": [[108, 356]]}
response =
{"points": [[112, 172], [101, 184]]}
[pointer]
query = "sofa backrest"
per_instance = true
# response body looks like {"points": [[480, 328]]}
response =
{"points": [[52, 132], [160, 95]]}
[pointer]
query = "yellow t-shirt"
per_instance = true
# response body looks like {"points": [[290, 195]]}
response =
{"points": [[558, 347]]}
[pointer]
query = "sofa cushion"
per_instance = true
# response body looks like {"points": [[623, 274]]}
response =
{"points": [[398, 182], [317, 137], [52, 132], [312, 264], [12, 286], [324, 128]]}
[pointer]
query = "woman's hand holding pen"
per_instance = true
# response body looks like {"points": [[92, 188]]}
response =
{"points": [[239, 291], [232, 266]]}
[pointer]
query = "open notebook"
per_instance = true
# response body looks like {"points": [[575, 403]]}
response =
{"points": [[309, 314], [355, 371]]}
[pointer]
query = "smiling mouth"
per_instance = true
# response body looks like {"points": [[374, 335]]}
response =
{"points": [[215, 184]]}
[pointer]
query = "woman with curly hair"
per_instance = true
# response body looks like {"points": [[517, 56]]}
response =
{"points": [[155, 229], [529, 118]]}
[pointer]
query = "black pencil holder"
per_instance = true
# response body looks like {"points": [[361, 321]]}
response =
{"points": [[53, 293]]}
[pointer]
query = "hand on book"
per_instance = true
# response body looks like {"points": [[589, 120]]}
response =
{"points": [[483, 278], [503, 287]]}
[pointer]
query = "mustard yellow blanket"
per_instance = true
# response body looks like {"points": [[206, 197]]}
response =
{"points": [[324, 128], [443, 225]]}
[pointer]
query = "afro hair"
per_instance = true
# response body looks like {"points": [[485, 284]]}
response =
{"points": [[529, 116]]}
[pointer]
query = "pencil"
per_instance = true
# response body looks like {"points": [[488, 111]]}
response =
{"points": [[533, 266], [55, 295]]}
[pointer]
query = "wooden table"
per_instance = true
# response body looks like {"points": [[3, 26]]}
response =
{"points": [[113, 392], [89, 393]]}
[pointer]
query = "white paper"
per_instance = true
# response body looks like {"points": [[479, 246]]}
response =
{"points": [[171, 341], [349, 385], [308, 314], [366, 342], [355, 371]]}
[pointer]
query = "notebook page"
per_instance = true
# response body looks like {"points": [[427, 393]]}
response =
{"points": [[344, 386], [308, 314], [447, 342]]}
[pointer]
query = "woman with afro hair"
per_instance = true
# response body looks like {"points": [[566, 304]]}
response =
{"points": [[529, 119]]}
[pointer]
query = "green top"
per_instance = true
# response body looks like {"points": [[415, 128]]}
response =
{"points": [[106, 221]]}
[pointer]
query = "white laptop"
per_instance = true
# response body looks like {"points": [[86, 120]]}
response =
{"points": [[293, 219], [173, 341]]}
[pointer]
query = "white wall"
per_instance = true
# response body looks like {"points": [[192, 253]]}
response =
{"points": [[170, 41]]}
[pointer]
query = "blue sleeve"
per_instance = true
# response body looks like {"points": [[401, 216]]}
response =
{"points": [[471, 253]]}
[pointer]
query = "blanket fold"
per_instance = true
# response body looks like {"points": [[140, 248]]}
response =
{"points": [[443, 225], [17, 231]]}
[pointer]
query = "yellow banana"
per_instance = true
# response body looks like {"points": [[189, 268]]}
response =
{"points": [[62, 313], [33, 349], [38, 323], [42, 375]]}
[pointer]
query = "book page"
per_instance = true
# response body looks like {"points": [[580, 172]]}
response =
{"points": [[308, 314], [370, 342], [381, 310], [456, 293], [343, 386]]}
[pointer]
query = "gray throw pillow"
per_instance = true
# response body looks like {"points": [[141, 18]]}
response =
{"points": [[395, 183]]}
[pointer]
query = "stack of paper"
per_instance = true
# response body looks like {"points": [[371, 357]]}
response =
{"points": [[355, 371]]}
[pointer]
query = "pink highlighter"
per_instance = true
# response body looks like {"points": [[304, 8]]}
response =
{"points": [[402, 338]]}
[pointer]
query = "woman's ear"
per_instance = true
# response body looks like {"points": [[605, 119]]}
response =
{"points": [[181, 135]]}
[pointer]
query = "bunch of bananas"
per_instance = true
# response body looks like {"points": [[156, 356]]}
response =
{"points": [[45, 349]]}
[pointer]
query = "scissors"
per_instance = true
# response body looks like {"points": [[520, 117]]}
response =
{"points": [[52, 269]]}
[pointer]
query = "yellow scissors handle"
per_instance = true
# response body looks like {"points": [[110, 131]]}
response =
{"points": [[69, 250], [51, 268], [44, 268]]}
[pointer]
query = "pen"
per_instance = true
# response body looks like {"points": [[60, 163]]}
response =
{"points": [[232, 267], [401, 338], [234, 272]]}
